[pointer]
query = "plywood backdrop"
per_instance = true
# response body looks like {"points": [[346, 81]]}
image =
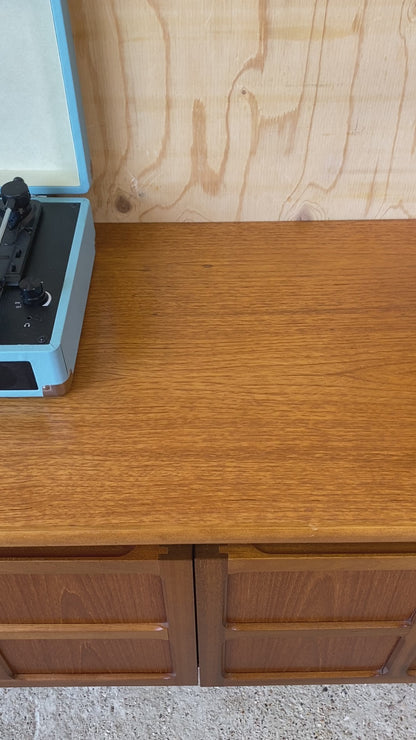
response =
{"points": [[229, 110]]}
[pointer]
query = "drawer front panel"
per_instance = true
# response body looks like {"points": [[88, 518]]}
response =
{"points": [[323, 595], [292, 652], [77, 657], [81, 598]]}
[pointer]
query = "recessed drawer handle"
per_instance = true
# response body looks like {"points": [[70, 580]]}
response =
{"points": [[93, 552], [142, 631]]}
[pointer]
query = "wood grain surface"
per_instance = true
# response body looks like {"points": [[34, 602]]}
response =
{"points": [[234, 383], [263, 110]]}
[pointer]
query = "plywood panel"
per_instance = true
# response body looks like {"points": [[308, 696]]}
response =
{"points": [[263, 110]]}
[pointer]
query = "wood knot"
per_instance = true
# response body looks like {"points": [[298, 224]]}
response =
{"points": [[411, 11], [123, 204], [310, 212]]}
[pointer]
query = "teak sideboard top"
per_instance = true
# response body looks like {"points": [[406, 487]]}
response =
{"points": [[234, 383]]}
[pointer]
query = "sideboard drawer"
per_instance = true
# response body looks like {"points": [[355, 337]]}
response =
{"points": [[280, 614], [76, 617]]}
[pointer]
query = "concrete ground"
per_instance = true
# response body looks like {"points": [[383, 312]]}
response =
{"points": [[269, 713]]}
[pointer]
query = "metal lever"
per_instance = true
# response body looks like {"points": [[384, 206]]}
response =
{"points": [[5, 221]]}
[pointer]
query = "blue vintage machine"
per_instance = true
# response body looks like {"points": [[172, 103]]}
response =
{"points": [[47, 242]]}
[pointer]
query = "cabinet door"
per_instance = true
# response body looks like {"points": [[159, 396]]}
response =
{"points": [[290, 615], [94, 616]]}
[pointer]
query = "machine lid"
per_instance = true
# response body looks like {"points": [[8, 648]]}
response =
{"points": [[42, 130]]}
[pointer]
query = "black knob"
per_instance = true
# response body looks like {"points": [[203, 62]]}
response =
{"points": [[16, 193], [33, 292]]}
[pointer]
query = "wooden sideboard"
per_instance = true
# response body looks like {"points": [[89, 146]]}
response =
{"points": [[237, 452]]}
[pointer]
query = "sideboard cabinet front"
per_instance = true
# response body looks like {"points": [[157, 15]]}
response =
{"points": [[270, 614], [91, 616]]}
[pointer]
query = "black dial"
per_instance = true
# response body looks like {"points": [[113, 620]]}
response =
{"points": [[33, 292]]}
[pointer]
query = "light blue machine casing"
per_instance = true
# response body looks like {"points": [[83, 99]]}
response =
{"points": [[53, 363]]}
